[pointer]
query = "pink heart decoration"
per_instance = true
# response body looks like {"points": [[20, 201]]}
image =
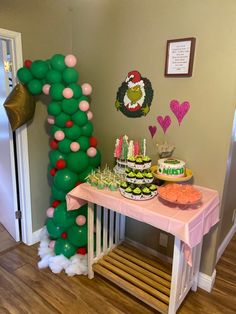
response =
{"points": [[164, 122], [152, 130], [179, 110]]}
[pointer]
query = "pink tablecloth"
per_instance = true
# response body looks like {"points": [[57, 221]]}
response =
{"points": [[187, 224]]}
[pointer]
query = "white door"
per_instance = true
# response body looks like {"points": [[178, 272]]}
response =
{"points": [[8, 184]]}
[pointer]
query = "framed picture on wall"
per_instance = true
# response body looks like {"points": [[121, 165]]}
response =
{"points": [[179, 57]]}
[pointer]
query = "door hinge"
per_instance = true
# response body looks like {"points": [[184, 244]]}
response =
{"points": [[18, 214]]}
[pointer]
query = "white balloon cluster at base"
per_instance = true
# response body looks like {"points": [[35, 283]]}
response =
{"points": [[76, 265]]}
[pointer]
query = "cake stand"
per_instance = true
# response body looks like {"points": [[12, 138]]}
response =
{"points": [[187, 177]]}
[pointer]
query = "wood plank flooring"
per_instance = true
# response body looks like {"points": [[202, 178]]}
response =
{"points": [[26, 289], [6, 240]]}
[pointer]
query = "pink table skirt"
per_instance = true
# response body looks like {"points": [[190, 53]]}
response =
{"points": [[187, 224]]}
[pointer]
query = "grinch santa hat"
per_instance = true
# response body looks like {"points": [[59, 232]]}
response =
{"points": [[134, 78]]}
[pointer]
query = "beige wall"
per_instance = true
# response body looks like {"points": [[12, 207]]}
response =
{"points": [[113, 37], [46, 29]]}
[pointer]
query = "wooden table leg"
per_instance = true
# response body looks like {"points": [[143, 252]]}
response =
{"points": [[177, 267], [90, 240]]}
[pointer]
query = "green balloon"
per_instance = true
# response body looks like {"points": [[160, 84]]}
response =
{"points": [[53, 77], [24, 75], [54, 156], [73, 133], [84, 143], [83, 97], [96, 160], [77, 162], [61, 119], [87, 129], [64, 247], [73, 213], [61, 217], [77, 235], [54, 108], [56, 91], [64, 146], [83, 210], [77, 90], [69, 106], [35, 87], [65, 179], [39, 69], [70, 75], [53, 129], [80, 118], [58, 62], [53, 230], [83, 175], [58, 194]]}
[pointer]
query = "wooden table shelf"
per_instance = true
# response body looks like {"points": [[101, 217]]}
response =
{"points": [[133, 271]]}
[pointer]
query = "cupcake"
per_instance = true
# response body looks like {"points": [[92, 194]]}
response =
{"points": [[127, 170], [153, 189], [137, 193], [139, 162], [146, 192], [139, 177], [128, 192], [131, 176], [123, 185], [147, 162], [131, 161], [148, 177]]}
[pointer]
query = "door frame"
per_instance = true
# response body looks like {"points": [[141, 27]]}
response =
{"points": [[21, 137]]}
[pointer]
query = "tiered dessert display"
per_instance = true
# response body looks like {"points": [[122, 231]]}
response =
{"points": [[135, 166]]}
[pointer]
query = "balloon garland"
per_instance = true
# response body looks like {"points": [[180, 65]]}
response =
{"points": [[73, 152]]}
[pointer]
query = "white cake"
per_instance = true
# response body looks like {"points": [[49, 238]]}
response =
{"points": [[171, 168]]}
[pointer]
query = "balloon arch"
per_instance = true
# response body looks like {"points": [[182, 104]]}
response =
{"points": [[73, 152]]}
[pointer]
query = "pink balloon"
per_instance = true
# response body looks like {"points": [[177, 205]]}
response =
{"points": [[46, 89], [59, 135], [86, 89], [80, 220], [90, 115], [84, 105], [70, 61], [51, 244], [50, 212], [91, 152], [67, 92], [51, 120], [74, 146]]}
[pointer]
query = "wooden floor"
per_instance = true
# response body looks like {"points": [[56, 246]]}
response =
{"points": [[26, 289], [6, 241]]}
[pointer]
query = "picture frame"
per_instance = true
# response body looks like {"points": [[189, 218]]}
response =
{"points": [[179, 57]]}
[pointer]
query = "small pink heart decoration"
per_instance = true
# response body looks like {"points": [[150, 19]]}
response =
{"points": [[179, 110], [152, 130], [164, 122]]}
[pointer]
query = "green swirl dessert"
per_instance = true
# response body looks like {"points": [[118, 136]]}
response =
{"points": [[148, 177], [139, 177], [137, 193], [146, 192], [131, 162], [128, 192]]}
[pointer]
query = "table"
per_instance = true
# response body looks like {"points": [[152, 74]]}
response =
{"points": [[129, 269]]}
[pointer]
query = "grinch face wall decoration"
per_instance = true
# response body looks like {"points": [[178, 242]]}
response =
{"points": [[134, 96]]}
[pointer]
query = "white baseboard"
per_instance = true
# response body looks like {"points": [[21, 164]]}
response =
{"points": [[35, 237], [225, 242], [206, 282], [151, 251]]}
